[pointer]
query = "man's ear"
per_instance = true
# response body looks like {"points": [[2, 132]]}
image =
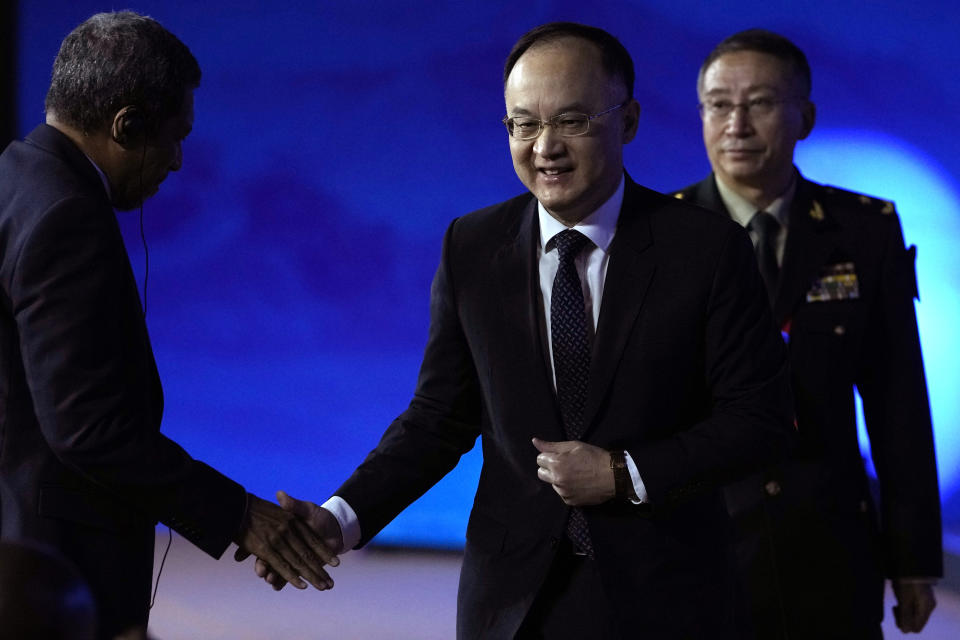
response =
{"points": [[631, 118], [128, 127], [809, 115]]}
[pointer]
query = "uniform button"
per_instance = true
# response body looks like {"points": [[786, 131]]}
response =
{"points": [[863, 506], [839, 329], [772, 488], [554, 541]]}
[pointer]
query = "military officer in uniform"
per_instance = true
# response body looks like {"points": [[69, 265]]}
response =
{"points": [[813, 546]]}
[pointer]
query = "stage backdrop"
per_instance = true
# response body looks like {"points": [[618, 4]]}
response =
{"points": [[291, 258]]}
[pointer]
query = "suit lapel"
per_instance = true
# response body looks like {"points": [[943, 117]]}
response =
{"points": [[515, 267], [809, 243], [629, 273], [516, 276]]}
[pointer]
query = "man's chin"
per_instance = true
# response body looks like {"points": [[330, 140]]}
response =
{"points": [[131, 203]]}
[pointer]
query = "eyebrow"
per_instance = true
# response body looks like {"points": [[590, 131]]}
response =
{"points": [[575, 107], [751, 88]]}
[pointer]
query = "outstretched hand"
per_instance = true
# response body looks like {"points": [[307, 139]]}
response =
{"points": [[287, 544], [579, 472], [320, 521]]}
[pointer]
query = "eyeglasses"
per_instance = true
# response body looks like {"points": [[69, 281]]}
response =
{"points": [[568, 125], [721, 108]]}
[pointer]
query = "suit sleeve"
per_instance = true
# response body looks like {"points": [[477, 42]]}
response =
{"points": [[750, 422], [441, 424], [92, 379], [894, 392]]}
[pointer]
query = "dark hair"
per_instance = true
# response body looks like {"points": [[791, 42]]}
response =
{"points": [[117, 59], [616, 60], [763, 41]]}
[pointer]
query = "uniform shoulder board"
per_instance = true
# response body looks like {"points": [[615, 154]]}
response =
{"points": [[859, 200]]}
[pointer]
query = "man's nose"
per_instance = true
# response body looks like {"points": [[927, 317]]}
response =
{"points": [[738, 122], [549, 143]]}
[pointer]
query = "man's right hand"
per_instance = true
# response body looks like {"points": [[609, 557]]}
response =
{"points": [[321, 521], [286, 544]]}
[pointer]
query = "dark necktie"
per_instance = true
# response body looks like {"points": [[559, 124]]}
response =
{"points": [[571, 357], [766, 227]]}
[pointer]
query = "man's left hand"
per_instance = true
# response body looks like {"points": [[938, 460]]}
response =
{"points": [[579, 472], [915, 603]]}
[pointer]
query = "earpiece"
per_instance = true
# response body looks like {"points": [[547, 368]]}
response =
{"points": [[133, 123], [129, 126]]}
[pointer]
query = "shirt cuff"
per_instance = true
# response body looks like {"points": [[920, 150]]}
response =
{"points": [[347, 517], [638, 487]]}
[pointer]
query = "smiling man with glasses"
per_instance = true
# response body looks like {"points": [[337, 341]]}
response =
{"points": [[579, 331], [841, 285]]}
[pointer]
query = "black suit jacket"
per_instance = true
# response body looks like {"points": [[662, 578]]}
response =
{"points": [[688, 374], [808, 538], [83, 466]]}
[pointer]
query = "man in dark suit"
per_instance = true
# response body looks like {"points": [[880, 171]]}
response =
{"points": [[841, 286], [610, 347], [83, 466]]}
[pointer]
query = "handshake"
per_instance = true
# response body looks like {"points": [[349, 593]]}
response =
{"points": [[291, 543]]}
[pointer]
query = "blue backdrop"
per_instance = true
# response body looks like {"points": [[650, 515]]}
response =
{"points": [[291, 258]]}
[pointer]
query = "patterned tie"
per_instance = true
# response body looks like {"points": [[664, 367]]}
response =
{"points": [[571, 358], [766, 227]]}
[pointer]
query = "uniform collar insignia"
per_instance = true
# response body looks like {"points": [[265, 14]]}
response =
{"points": [[816, 211]]}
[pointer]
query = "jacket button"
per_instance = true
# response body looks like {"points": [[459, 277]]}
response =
{"points": [[772, 488], [839, 329], [554, 541], [863, 506]]}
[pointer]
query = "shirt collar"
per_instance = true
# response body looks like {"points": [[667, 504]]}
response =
{"points": [[599, 226], [743, 211], [103, 177]]}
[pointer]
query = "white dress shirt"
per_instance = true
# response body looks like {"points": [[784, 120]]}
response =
{"points": [[600, 226]]}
